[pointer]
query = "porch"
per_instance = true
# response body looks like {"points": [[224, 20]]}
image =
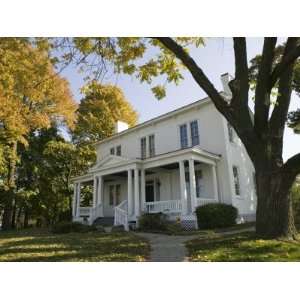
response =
{"points": [[174, 185]]}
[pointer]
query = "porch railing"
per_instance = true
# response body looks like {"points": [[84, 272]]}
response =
{"points": [[85, 211], [92, 213], [169, 206], [121, 215], [202, 201]]}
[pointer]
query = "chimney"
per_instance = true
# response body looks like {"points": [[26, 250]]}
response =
{"points": [[226, 78], [120, 126]]}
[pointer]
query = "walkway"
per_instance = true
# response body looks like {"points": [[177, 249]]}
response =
{"points": [[171, 248], [167, 248]]}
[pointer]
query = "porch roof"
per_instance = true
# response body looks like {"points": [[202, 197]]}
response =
{"points": [[114, 164]]}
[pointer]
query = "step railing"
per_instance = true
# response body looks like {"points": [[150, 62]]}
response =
{"points": [[96, 212], [168, 206], [121, 215]]}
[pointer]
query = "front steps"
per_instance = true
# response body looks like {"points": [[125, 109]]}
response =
{"points": [[104, 221]]}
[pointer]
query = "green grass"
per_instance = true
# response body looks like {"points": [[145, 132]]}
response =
{"points": [[41, 245], [242, 247]]}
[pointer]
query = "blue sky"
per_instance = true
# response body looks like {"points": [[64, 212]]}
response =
{"points": [[215, 59]]}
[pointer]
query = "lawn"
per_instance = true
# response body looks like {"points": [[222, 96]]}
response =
{"points": [[242, 247], [41, 245]]}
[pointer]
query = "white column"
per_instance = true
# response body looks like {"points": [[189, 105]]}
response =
{"points": [[183, 191], [100, 194], [143, 190], [215, 182], [129, 191], [95, 196], [136, 193], [74, 200], [78, 199], [192, 184]]}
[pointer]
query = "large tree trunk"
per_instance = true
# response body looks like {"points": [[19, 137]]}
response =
{"points": [[274, 216]]}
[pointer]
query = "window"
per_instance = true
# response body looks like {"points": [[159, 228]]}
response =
{"points": [[118, 150], [230, 133], [199, 185], [111, 195], [151, 145], [112, 151], [143, 148], [183, 136], [236, 180], [194, 133]]}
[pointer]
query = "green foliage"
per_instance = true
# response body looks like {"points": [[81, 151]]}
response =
{"points": [[67, 227], [216, 215], [242, 247], [152, 222], [144, 58], [41, 246], [98, 112]]}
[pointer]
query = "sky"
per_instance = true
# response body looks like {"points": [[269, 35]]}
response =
{"points": [[215, 58]]}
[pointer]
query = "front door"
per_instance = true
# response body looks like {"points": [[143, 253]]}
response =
{"points": [[149, 191]]}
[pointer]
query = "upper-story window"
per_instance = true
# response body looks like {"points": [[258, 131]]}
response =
{"points": [[151, 145], [230, 133], [118, 150], [183, 136], [236, 179], [194, 133], [143, 148]]}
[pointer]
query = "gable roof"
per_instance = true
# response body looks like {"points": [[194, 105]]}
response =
{"points": [[159, 118]]}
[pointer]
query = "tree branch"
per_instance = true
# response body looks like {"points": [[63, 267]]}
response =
{"points": [[262, 93], [279, 114], [286, 61], [240, 119], [240, 85], [196, 72], [292, 165]]}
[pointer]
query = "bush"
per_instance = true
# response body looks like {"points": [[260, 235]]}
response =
{"points": [[66, 227], [216, 215], [118, 228], [150, 222]]}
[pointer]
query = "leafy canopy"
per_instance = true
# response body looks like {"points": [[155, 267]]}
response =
{"points": [[98, 111]]}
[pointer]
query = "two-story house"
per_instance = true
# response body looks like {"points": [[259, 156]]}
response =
{"points": [[171, 164]]}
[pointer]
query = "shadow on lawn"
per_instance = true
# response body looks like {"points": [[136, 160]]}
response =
{"points": [[243, 247], [72, 247]]}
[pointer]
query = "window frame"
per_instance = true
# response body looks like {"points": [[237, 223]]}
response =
{"points": [[191, 133], [143, 153], [151, 148], [187, 136], [119, 147], [237, 181], [112, 151]]}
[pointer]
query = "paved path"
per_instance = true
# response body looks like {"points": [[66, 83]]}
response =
{"points": [[171, 248], [167, 247]]}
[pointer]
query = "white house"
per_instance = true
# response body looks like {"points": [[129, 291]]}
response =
{"points": [[172, 164]]}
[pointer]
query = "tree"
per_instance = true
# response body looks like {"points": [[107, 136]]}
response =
{"points": [[262, 137], [32, 95], [98, 111]]}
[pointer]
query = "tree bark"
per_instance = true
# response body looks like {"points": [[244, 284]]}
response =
{"points": [[274, 215]]}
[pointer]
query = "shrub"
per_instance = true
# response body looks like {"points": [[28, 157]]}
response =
{"points": [[66, 227], [118, 228], [150, 222], [216, 215]]}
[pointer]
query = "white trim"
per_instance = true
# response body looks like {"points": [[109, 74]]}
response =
{"points": [[153, 121]]}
